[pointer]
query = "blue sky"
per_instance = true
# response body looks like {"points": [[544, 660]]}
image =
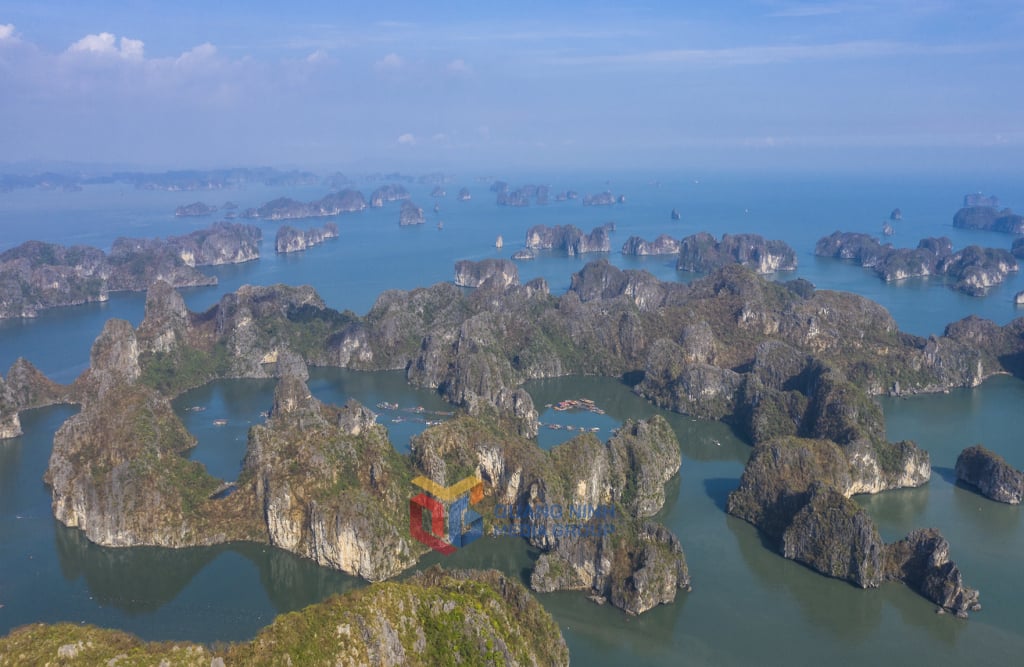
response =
{"points": [[755, 84]]}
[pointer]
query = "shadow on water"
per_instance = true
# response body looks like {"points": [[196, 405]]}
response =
{"points": [[136, 580], [947, 474], [142, 580], [719, 488], [837, 607]]}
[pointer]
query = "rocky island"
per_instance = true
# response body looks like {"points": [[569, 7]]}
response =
{"points": [[290, 239], [990, 474], [701, 253], [411, 214], [603, 199], [388, 193], [496, 273], [195, 210], [663, 245], [283, 208], [462, 616], [974, 269], [981, 212], [569, 239], [36, 275], [792, 368], [797, 492]]}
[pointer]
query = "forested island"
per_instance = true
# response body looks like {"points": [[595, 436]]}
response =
{"points": [[791, 367]]}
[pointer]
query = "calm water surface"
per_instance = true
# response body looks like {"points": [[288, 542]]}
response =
{"points": [[748, 606]]}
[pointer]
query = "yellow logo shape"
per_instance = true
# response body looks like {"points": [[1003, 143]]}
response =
{"points": [[447, 494]]}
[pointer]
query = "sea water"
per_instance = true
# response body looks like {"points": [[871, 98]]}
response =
{"points": [[748, 605]]}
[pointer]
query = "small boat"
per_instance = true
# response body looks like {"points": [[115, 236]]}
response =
{"points": [[220, 422], [500, 242], [196, 408], [718, 443], [440, 224]]}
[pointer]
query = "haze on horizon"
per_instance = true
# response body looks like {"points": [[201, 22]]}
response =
{"points": [[752, 84]]}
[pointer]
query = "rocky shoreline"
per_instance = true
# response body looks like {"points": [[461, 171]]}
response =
{"points": [[35, 275], [791, 367]]}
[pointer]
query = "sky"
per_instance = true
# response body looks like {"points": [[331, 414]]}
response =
{"points": [[394, 85]]}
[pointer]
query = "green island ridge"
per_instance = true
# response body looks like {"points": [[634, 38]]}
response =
{"points": [[792, 368], [435, 617]]}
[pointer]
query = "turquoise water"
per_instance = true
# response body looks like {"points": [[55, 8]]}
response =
{"points": [[748, 606]]}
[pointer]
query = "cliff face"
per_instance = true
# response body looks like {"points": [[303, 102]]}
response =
{"points": [[569, 239], [26, 387], [463, 617], [663, 245], [335, 203], [330, 486], [989, 218], [990, 474], [290, 239], [501, 273], [973, 270], [615, 555], [386, 193], [411, 214], [117, 470], [35, 276], [702, 253], [797, 493]]}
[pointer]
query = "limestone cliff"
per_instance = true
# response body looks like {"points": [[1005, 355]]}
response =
{"points": [[972, 270], [388, 193], [568, 239], [330, 486], [35, 275], [335, 203], [290, 239], [617, 555], [990, 474], [501, 273], [663, 245], [797, 492], [117, 470], [702, 253], [411, 214]]}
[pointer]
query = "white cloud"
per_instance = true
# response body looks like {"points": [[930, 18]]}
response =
{"points": [[197, 54], [459, 66], [106, 43], [6, 31], [390, 61], [407, 139], [765, 55], [132, 48], [318, 56]]}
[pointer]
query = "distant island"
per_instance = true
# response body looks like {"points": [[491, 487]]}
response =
{"points": [[35, 275], [702, 253], [411, 214], [973, 270], [982, 212], [284, 208], [569, 239], [290, 239], [195, 210]]}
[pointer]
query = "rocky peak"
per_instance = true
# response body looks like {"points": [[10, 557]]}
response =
{"points": [[115, 354], [501, 273], [294, 403]]}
